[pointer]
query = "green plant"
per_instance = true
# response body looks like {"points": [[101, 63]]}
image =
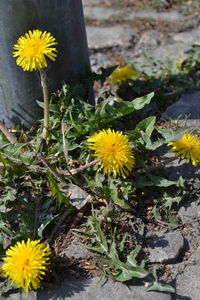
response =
{"points": [[112, 258], [35, 183]]}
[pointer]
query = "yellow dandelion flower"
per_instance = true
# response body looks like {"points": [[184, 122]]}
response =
{"points": [[188, 148], [113, 151], [179, 62], [26, 264], [123, 74], [32, 48]]}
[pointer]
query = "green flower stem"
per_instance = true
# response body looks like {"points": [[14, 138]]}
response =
{"points": [[46, 103]]}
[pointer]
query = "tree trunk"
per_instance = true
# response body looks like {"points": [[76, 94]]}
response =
{"points": [[20, 89]]}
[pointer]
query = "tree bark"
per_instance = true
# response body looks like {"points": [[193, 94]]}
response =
{"points": [[20, 89]]}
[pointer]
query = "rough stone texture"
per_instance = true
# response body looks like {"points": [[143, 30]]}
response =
{"points": [[190, 211], [172, 16], [149, 39], [165, 247], [15, 296], [196, 256], [189, 37], [91, 2], [188, 283], [77, 196], [100, 13], [175, 169], [106, 37], [90, 289], [76, 251], [99, 61], [175, 50], [187, 106]]}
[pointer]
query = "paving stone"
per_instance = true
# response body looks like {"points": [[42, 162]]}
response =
{"points": [[188, 37], [77, 196], [76, 251], [91, 2], [188, 283], [16, 296], [101, 13], [172, 16], [187, 106], [189, 212], [196, 256], [98, 62], [165, 247], [148, 40], [90, 289], [106, 37], [153, 296], [175, 169], [171, 49]]}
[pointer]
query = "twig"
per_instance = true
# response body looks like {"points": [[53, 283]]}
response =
{"points": [[80, 169], [7, 134], [58, 174], [46, 103]]}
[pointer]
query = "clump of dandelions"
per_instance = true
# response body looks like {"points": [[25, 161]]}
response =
{"points": [[123, 74], [32, 48], [188, 148], [26, 264], [113, 151]]}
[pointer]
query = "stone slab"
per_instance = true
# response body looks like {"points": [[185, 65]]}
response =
{"points": [[98, 62], [172, 16], [16, 296], [188, 37], [188, 283], [148, 40], [165, 247], [110, 36], [187, 106], [175, 169], [102, 13], [77, 196], [171, 49], [93, 289], [76, 250], [91, 2], [189, 212]]}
